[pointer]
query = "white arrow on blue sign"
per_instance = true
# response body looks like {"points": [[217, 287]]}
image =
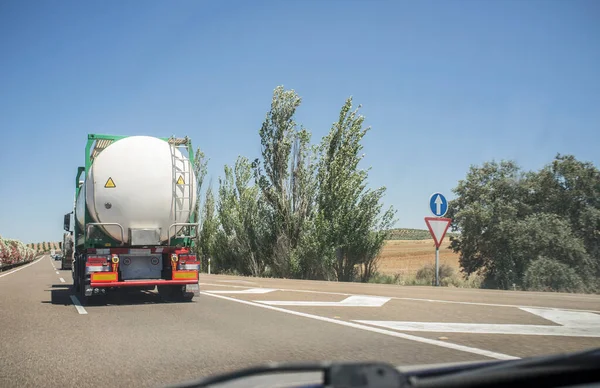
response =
{"points": [[438, 204]]}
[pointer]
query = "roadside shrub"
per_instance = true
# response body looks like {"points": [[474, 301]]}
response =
{"points": [[425, 277], [384, 279], [546, 274], [14, 252], [427, 273]]}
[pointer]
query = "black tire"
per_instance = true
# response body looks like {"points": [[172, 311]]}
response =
{"points": [[84, 300], [175, 294]]}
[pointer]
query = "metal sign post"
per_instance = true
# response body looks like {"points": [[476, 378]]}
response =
{"points": [[438, 205], [437, 227], [437, 267]]}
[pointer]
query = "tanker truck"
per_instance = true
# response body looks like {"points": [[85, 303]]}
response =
{"points": [[135, 218]]}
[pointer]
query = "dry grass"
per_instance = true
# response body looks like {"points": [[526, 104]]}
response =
{"points": [[406, 257]]}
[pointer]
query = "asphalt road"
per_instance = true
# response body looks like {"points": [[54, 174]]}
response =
{"points": [[136, 340]]}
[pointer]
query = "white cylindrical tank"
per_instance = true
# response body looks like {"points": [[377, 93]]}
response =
{"points": [[131, 183]]}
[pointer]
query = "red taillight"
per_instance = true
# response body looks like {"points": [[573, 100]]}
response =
{"points": [[188, 263], [97, 261], [188, 259]]}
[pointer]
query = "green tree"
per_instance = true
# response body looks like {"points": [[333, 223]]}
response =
{"points": [[350, 219], [208, 231], [508, 218], [489, 200], [244, 241], [546, 274], [286, 179], [199, 166], [571, 189]]}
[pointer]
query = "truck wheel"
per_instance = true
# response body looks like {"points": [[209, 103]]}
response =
{"points": [[84, 300], [175, 294]]}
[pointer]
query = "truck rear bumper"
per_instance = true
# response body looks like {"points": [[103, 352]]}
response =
{"points": [[137, 283], [98, 287]]}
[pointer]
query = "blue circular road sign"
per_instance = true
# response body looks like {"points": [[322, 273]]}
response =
{"points": [[438, 204]]}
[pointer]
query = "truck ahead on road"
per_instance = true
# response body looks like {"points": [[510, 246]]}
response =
{"points": [[66, 259], [135, 217]]}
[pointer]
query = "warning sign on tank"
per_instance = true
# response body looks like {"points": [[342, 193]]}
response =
{"points": [[110, 184], [180, 181]]}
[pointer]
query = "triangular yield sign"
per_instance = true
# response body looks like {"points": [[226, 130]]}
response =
{"points": [[438, 227]]}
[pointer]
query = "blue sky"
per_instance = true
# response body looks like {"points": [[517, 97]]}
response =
{"points": [[444, 84]]}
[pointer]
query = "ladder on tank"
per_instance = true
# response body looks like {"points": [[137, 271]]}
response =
{"points": [[182, 184]]}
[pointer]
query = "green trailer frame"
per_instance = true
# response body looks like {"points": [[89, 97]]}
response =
{"points": [[96, 143]]}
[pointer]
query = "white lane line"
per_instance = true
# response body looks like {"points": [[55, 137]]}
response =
{"points": [[351, 301], [58, 273], [20, 268], [443, 344], [62, 280], [418, 299], [237, 281], [78, 305], [248, 291]]}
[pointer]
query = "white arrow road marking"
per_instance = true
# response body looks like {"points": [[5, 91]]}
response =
{"points": [[248, 291], [352, 301], [573, 324]]}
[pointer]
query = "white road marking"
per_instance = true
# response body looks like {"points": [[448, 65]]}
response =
{"points": [[62, 280], [443, 344], [567, 318], [573, 324], [248, 291], [58, 273], [237, 281], [351, 301], [78, 305], [20, 268], [418, 299], [491, 304]]}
